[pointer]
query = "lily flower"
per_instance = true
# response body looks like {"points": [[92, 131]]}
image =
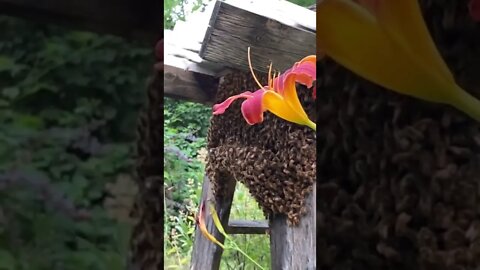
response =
{"points": [[200, 220], [388, 43], [279, 96]]}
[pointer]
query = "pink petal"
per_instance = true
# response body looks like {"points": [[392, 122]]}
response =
{"points": [[221, 107], [474, 9], [279, 82], [305, 73], [252, 108]]}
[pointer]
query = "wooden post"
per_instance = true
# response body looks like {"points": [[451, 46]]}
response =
{"points": [[206, 255], [295, 247]]}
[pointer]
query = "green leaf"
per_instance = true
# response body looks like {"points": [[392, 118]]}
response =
{"points": [[11, 92], [7, 261], [6, 63]]}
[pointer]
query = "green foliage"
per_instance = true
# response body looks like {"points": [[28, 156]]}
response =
{"points": [[185, 131], [175, 10], [244, 207], [68, 109]]}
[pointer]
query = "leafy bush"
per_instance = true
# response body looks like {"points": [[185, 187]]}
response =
{"points": [[68, 108]]}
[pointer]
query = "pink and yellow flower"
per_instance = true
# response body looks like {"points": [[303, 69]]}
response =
{"points": [[388, 43], [279, 96]]}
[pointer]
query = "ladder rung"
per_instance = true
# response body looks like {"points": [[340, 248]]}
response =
{"points": [[247, 227]]}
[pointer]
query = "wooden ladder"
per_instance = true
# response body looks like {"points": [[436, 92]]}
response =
{"points": [[292, 248]]}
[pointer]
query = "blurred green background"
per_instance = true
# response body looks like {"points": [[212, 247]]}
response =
{"points": [[69, 102], [68, 109]]}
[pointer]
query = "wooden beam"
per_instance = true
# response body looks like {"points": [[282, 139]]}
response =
{"points": [[295, 247], [247, 227], [139, 19], [186, 75], [190, 86], [206, 255], [278, 32]]}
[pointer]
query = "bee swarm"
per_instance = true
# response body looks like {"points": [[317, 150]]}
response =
{"points": [[399, 178], [274, 159]]}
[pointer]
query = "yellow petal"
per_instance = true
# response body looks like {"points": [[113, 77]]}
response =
{"points": [[351, 36], [291, 97], [403, 22], [277, 105]]}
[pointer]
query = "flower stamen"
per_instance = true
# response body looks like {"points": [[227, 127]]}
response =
{"points": [[269, 76], [251, 70]]}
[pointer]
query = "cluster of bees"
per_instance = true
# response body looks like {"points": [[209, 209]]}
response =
{"points": [[399, 178], [276, 159], [148, 208]]}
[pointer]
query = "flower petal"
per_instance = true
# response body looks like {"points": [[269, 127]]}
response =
{"points": [[305, 73], [252, 108], [203, 228], [370, 5], [354, 38], [221, 107], [278, 105], [216, 220], [309, 59], [290, 95], [351, 36], [412, 33]]}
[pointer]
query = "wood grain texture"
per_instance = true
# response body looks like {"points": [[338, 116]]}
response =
{"points": [[233, 29], [206, 255], [188, 85], [247, 227], [129, 18], [295, 247]]}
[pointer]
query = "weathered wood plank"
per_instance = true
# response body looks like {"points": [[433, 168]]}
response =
{"points": [[139, 19], [187, 75], [276, 37], [190, 86], [181, 50], [295, 247], [207, 255], [247, 227]]}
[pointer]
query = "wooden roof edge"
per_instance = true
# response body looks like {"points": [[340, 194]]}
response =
{"points": [[183, 54], [286, 28]]}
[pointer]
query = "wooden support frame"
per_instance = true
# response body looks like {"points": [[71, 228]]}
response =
{"points": [[247, 227], [206, 255], [295, 247], [291, 247]]}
